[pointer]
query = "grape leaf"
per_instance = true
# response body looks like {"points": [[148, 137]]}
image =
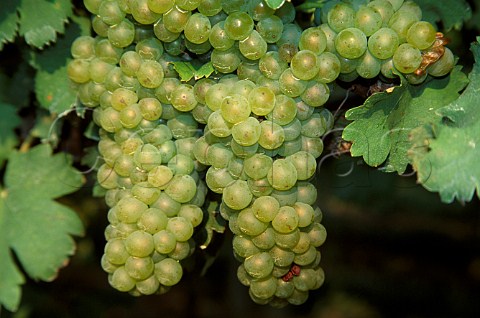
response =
{"points": [[445, 154], [9, 120], [452, 13], [53, 88], [8, 21], [41, 20], [33, 225], [187, 70], [381, 126]]}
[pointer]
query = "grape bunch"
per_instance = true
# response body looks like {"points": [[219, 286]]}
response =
{"points": [[384, 37], [250, 134]]}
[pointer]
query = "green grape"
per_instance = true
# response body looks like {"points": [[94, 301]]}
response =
{"points": [[304, 65], [83, 47], [303, 243], [261, 100], [253, 46], [183, 98], [78, 70], [307, 193], [215, 94], [235, 108], [237, 195], [387, 68], [181, 164], [139, 268], [147, 157], [158, 135], [176, 47], [226, 61], [123, 165], [243, 87], [247, 132], [407, 58], [400, 22], [230, 6], [396, 4], [351, 43], [248, 223], [330, 37], [444, 65], [259, 10], [188, 5], [284, 289], [307, 257], [192, 213], [290, 35], [197, 29], [142, 13], [100, 27], [242, 276], [270, 28], [115, 252], [287, 51], [317, 234], [218, 126], [328, 67], [272, 135], [121, 281], [260, 187], [282, 175], [281, 257], [150, 108], [130, 116], [266, 239], [164, 241], [218, 37], [259, 265], [257, 166], [150, 49], [383, 43], [148, 286], [110, 12], [122, 34], [218, 179], [271, 65], [139, 244], [243, 246], [312, 145], [286, 12], [271, 84], [235, 168], [341, 16], [305, 214], [421, 35], [130, 63], [182, 250], [107, 52], [218, 155], [292, 129], [129, 209], [304, 163], [165, 90], [175, 20], [411, 8], [163, 34], [145, 193], [150, 74], [314, 40], [287, 240], [316, 94], [291, 85], [180, 227], [210, 7], [284, 111], [382, 7], [181, 188], [160, 6], [238, 25], [368, 20], [152, 221], [93, 5], [168, 272], [369, 66], [305, 281]]}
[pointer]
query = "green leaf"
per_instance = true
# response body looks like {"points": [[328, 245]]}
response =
{"points": [[381, 126], [15, 90], [8, 21], [445, 155], [452, 13], [9, 120], [53, 88], [37, 228], [275, 4], [41, 20], [187, 70]]}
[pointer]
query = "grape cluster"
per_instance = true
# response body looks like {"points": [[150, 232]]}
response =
{"points": [[251, 133], [384, 37]]}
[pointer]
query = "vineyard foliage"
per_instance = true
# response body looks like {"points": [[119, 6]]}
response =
{"points": [[432, 128]]}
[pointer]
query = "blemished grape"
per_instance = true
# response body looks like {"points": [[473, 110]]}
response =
{"points": [[341, 16], [383, 43], [407, 58], [351, 43]]}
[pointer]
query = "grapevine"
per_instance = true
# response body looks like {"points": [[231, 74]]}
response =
{"points": [[215, 115]]}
